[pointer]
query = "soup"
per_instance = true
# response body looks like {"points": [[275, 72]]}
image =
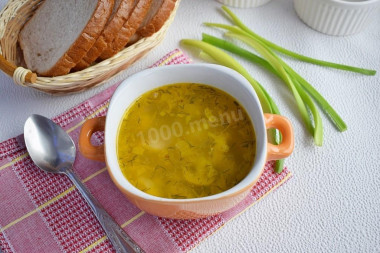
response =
{"points": [[185, 140]]}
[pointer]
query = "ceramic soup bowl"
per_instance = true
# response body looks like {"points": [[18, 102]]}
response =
{"points": [[216, 76]]}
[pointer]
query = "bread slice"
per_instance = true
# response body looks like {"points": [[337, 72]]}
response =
{"points": [[156, 18], [129, 28], [61, 32], [121, 11], [152, 11], [156, 21]]}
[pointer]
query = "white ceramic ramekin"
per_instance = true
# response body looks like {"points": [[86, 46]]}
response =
{"points": [[244, 3], [337, 17]]}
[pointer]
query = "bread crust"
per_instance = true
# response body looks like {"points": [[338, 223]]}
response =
{"points": [[108, 34], [128, 29], [84, 41], [158, 19]]}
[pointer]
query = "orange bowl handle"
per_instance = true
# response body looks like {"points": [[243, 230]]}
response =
{"points": [[85, 146], [285, 148]]}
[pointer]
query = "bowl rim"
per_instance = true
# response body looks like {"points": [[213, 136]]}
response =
{"points": [[111, 157], [351, 4]]}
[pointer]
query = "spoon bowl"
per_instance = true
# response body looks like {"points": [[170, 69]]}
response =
{"points": [[49, 146]]}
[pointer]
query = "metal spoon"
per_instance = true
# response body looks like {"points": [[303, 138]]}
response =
{"points": [[53, 150]]}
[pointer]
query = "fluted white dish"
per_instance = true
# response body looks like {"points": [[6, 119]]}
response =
{"points": [[244, 3], [337, 17]]}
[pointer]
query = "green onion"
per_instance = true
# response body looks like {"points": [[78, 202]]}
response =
{"points": [[274, 134], [226, 45], [318, 127], [273, 60], [326, 107], [270, 44], [279, 166]]}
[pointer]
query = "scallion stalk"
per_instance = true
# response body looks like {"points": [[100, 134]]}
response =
{"points": [[226, 45], [273, 60], [326, 107], [322, 102], [304, 58]]}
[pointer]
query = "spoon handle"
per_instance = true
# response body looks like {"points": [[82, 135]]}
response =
{"points": [[119, 239]]}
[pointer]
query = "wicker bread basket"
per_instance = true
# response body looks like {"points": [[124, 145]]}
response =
{"points": [[12, 19]]}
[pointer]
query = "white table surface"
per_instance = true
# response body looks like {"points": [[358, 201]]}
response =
{"points": [[332, 204]]}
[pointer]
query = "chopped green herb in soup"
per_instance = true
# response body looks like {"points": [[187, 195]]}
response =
{"points": [[185, 141]]}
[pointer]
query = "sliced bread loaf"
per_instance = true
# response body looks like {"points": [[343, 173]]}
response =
{"points": [[128, 29], [121, 12], [61, 32]]}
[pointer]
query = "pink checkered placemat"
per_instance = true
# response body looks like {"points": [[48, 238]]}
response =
{"points": [[41, 212]]}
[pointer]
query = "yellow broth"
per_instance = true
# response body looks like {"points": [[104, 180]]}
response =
{"points": [[185, 140]]}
